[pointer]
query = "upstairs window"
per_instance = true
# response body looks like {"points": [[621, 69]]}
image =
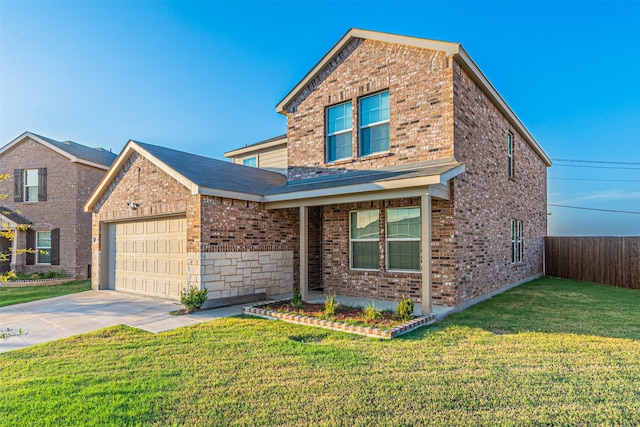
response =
{"points": [[403, 239], [374, 124], [250, 161], [510, 153], [339, 127], [30, 185], [364, 235], [517, 249]]}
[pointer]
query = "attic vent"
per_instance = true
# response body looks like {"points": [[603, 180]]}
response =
{"points": [[66, 143]]}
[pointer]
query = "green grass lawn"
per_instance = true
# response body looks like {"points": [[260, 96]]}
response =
{"points": [[10, 296], [551, 352]]}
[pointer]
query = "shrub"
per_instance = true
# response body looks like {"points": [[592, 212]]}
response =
{"points": [[193, 298], [370, 313], [404, 310], [55, 274], [331, 305], [296, 299]]}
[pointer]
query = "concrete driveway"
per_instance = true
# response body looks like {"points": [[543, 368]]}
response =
{"points": [[61, 317]]}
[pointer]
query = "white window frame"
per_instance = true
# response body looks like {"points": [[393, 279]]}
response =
{"points": [[351, 241], [328, 134], [250, 158], [412, 239], [510, 154], [42, 248], [25, 189], [517, 248], [370, 125]]}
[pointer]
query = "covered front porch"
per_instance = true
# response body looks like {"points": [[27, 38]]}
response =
{"points": [[367, 235], [12, 228]]}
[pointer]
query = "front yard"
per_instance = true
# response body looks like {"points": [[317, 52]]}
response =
{"points": [[18, 295], [551, 352]]}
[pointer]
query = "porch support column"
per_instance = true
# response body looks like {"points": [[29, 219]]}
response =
{"points": [[425, 249], [304, 252], [14, 250]]}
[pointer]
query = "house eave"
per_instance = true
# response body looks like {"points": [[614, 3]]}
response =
{"points": [[48, 145], [256, 147]]}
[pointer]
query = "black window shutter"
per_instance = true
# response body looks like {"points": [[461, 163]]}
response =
{"points": [[55, 246], [42, 184], [17, 185], [31, 245]]}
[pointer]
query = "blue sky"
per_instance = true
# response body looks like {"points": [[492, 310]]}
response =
{"points": [[205, 77]]}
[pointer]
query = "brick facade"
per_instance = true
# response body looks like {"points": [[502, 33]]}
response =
{"points": [[420, 86], [436, 111], [69, 185], [486, 199]]}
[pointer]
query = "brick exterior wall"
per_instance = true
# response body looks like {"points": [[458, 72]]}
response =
{"points": [[68, 187], [486, 199], [420, 85], [433, 103], [215, 225]]}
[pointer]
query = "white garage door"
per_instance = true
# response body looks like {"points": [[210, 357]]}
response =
{"points": [[151, 256]]}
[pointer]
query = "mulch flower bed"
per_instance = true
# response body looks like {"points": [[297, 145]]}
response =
{"points": [[346, 319], [346, 314]]}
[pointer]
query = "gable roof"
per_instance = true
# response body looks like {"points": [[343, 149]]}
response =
{"points": [[201, 175], [454, 50], [77, 153]]}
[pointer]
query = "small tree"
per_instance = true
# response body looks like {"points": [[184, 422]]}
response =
{"points": [[10, 235]]}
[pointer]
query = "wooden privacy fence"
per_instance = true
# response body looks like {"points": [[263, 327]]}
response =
{"points": [[608, 260]]}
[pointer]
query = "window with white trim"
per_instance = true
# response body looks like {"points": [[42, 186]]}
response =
{"points": [[374, 124], [403, 239], [510, 153], [339, 127], [364, 236], [517, 249], [43, 247], [31, 185], [250, 161]]}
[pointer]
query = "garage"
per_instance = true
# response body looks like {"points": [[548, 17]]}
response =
{"points": [[150, 256]]}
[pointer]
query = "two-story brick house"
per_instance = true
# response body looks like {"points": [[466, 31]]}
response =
{"points": [[48, 186], [407, 176]]}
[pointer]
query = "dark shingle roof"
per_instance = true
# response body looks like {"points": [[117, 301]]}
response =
{"points": [[363, 177], [94, 155], [216, 174], [14, 216]]}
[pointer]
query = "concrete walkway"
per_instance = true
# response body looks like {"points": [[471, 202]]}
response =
{"points": [[61, 317]]}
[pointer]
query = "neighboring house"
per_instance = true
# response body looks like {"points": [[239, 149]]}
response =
{"points": [[48, 186], [407, 176], [270, 154]]}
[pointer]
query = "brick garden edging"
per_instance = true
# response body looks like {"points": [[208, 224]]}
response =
{"points": [[39, 282], [339, 326]]}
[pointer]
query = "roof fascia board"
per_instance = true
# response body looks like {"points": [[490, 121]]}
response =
{"points": [[41, 141], [256, 147], [449, 48], [478, 76], [205, 191]]}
